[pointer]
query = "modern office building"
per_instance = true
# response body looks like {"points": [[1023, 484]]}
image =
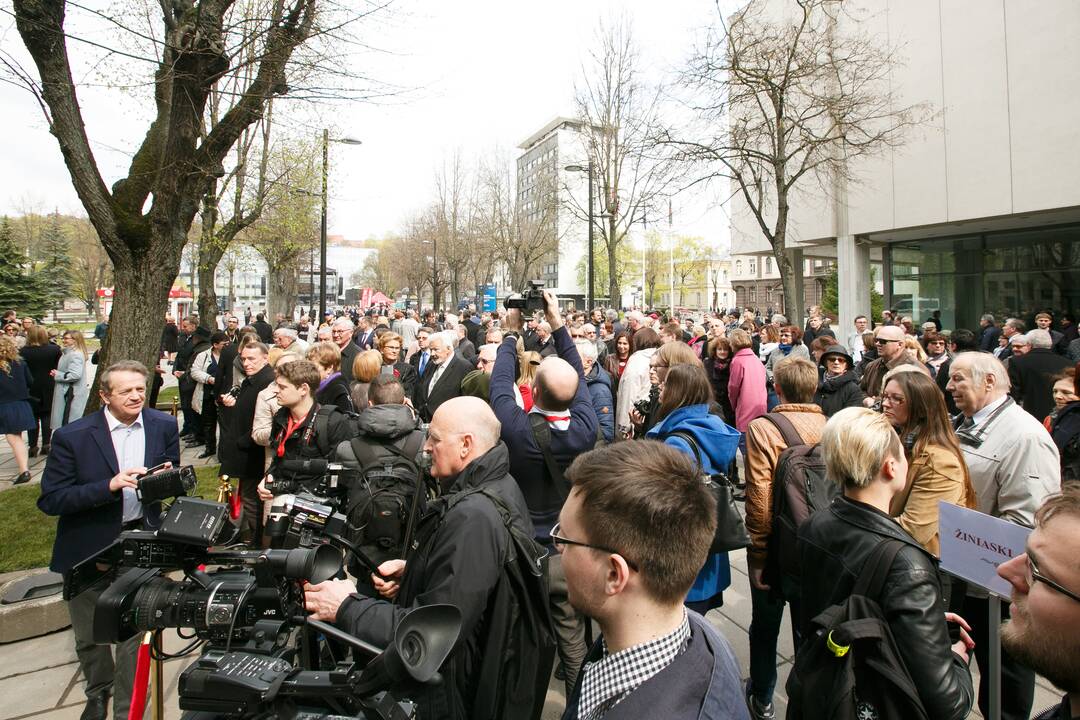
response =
{"points": [[979, 211], [543, 186]]}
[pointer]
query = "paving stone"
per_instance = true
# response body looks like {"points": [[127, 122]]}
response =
{"points": [[46, 651], [35, 691]]}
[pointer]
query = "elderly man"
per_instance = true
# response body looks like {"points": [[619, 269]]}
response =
{"points": [[889, 342], [442, 377], [1032, 374], [341, 334], [635, 320], [1046, 600], [599, 382], [1014, 467], [1011, 328], [458, 561], [288, 339], [485, 360], [544, 344], [542, 444]]}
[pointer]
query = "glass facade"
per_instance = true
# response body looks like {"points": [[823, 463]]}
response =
{"points": [[1007, 274]]}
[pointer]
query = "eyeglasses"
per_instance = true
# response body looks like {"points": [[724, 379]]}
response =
{"points": [[882, 341], [1033, 574], [659, 366], [893, 399], [560, 544]]}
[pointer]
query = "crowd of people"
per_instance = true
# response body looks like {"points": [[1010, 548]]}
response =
{"points": [[589, 432]]}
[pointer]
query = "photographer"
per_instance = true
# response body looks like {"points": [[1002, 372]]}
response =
{"points": [[566, 423], [302, 429], [459, 556], [89, 481]]}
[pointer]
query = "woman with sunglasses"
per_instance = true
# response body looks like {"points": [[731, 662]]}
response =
{"points": [[684, 420], [839, 386]]}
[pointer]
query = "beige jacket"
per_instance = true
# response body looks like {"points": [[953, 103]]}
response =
{"points": [[935, 474], [764, 443]]}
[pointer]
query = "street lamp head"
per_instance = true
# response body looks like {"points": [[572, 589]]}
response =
{"points": [[576, 168], [348, 141]]}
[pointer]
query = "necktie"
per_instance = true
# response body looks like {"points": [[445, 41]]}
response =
{"points": [[423, 362]]}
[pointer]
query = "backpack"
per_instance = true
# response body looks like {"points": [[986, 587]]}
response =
{"points": [[848, 667], [385, 497], [799, 489], [520, 632], [322, 428]]}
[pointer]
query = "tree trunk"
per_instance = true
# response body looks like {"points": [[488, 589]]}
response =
{"points": [[281, 284], [142, 282], [208, 300], [613, 274]]}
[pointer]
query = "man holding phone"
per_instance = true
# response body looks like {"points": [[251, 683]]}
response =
{"points": [[89, 481]]}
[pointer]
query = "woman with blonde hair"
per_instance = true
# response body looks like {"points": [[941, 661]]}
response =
{"points": [[366, 367], [528, 362], [912, 343], [71, 393], [16, 415]]}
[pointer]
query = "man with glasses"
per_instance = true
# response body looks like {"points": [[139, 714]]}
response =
{"points": [[1014, 468], [655, 658], [458, 558], [341, 333], [1046, 600], [892, 352]]}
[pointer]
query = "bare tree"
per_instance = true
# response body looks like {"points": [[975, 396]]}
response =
{"points": [[781, 99], [619, 112], [143, 219]]}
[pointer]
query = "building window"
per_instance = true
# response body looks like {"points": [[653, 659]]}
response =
{"points": [[753, 266], [768, 265], [738, 268], [753, 295]]}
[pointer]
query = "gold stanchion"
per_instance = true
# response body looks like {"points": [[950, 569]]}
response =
{"points": [[225, 491], [157, 676]]}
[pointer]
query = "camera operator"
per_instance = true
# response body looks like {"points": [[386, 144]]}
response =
{"points": [[89, 481], [459, 558], [297, 433], [561, 397]]}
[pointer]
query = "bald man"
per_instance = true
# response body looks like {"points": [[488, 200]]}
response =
{"points": [[562, 417], [889, 341], [458, 559]]}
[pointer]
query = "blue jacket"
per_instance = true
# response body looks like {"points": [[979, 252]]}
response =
{"points": [[526, 461], [701, 683], [717, 443], [599, 383], [78, 490]]}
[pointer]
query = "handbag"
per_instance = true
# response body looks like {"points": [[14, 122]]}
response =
{"points": [[730, 529]]}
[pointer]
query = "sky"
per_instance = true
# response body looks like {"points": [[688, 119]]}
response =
{"points": [[478, 77]]}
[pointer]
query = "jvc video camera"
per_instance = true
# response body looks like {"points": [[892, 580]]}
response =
{"points": [[156, 486], [531, 300]]}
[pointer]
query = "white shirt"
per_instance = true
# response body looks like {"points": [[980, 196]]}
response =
{"points": [[439, 369], [129, 443], [980, 417]]}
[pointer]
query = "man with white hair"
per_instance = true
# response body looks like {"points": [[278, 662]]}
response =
{"points": [[635, 320], [442, 376], [341, 334], [1014, 467], [1033, 373], [458, 559], [288, 339], [1012, 327], [599, 383]]}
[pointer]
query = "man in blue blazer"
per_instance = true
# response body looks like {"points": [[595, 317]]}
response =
{"points": [[89, 481]]}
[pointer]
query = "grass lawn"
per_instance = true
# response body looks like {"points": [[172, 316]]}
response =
{"points": [[29, 533], [166, 396]]}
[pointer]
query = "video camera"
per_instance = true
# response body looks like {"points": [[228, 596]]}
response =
{"points": [[249, 614], [158, 484], [531, 300], [317, 476]]}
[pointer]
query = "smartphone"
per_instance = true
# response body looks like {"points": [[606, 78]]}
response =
{"points": [[155, 469]]}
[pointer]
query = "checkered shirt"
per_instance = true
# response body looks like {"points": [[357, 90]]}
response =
{"points": [[611, 678]]}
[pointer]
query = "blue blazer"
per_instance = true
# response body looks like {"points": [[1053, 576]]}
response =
{"points": [[75, 484]]}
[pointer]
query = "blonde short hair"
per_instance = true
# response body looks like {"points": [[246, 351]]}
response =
{"points": [[366, 366], [856, 442], [326, 355], [739, 339]]}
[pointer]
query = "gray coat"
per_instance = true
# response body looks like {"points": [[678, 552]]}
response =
{"points": [[70, 375]]}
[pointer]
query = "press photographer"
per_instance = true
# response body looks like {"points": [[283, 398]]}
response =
{"points": [[499, 668], [90, 481], [303, 431]]}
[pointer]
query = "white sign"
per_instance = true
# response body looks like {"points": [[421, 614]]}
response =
{"points": [[974, 544]]}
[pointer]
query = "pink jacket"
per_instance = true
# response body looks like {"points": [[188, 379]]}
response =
{"points": [[746, 388]]}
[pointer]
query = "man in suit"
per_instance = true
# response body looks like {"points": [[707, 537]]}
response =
{"points": [[342, 333], [419, 356], [465, 348], [365, 334], [247, 459], [264, 329], [89, 481], [442, 377], [1032, 374]]}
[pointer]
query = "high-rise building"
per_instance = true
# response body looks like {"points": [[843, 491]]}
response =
{"points": [[544, 187]]}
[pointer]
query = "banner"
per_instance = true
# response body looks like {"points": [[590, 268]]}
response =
{"points": [[973, 544], [490, 301]]}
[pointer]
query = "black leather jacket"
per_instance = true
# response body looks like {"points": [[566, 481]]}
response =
{"points": [[836, 543]]}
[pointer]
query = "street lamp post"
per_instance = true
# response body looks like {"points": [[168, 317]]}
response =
{"points": [[322, 220], [588, 169]]}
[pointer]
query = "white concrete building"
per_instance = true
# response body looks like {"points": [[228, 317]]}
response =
{"points": [[980, 210]]}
